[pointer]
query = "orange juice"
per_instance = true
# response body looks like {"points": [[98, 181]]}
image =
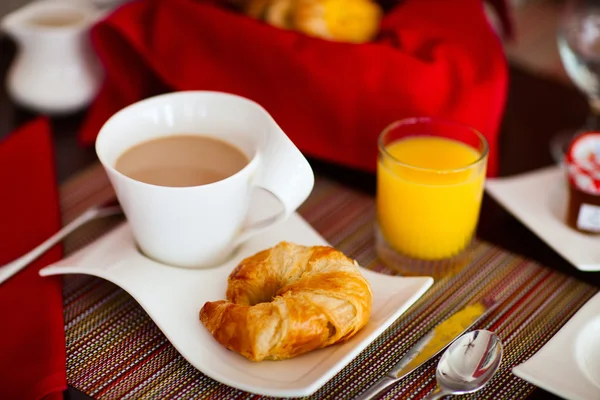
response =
{"points": [[429, 195]]}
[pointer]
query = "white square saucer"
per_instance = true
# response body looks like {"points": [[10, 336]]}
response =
{"points": [[172, 297]]}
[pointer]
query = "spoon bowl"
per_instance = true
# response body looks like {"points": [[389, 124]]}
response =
{"points": [[468, 364]]}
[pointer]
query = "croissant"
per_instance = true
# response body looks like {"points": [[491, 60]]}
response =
{"points": [[352, 21], [288, 300], [280, 13]]}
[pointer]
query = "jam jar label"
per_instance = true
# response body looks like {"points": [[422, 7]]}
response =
{"points": [[589, 218]]}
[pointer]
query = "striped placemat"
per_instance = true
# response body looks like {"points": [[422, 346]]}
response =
{"points": [[114, 350]]}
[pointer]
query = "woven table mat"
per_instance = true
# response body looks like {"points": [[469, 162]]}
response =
{"points": [[114, 350]]}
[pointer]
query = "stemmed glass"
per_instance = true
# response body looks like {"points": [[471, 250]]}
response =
{"points": [[579, 46]]}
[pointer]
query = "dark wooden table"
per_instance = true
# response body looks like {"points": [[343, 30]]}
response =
{"points": [[536, 109]]}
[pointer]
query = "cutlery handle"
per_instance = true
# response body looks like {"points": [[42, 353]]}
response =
{"points": [[15, 266], [377, 388], [437, 393]]}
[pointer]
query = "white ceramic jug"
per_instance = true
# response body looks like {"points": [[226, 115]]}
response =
{"points": [[55, 70]]}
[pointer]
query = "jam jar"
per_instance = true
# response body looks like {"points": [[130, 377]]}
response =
{"points": [[583, 171]]}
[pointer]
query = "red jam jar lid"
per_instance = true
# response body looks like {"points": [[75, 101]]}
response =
{"points": [[583, 163]]}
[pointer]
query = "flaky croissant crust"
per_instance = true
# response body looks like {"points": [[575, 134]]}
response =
{"points": [[288, 300]]}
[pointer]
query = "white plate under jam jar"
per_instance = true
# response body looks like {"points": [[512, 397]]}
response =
{"points": [[539, 200]]}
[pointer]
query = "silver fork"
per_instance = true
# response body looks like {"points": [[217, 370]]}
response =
{"points": [[99, 211]]}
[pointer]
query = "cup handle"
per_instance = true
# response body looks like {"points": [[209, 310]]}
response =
{"points": [[285, 173]]}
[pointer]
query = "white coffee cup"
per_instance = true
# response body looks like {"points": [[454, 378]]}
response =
{"points": [[200, 226]]}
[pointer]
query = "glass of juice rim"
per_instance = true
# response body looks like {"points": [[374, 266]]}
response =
{"points": [[430, 180], [428, 126]]}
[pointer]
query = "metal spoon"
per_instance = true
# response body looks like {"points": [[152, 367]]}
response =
{"points": [[468, 364], [8, 270]]}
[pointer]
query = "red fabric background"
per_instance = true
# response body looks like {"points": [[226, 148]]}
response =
{"points": [[434, 58], [32, 338]]}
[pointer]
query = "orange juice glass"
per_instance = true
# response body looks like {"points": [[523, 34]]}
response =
{"points": [[430, 179]]}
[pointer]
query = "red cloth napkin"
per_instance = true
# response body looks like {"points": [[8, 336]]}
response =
{"points": [[433, 58], [32, 339]]}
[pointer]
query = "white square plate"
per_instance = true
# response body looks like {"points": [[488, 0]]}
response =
{"points": [[539, 200], [172, 297], [569, 364]]}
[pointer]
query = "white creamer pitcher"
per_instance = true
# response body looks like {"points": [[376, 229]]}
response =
{"points": [[55, 70]]}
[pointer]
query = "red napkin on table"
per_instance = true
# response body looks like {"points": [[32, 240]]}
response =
{"points": [[433, 58], [32, 340]]}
